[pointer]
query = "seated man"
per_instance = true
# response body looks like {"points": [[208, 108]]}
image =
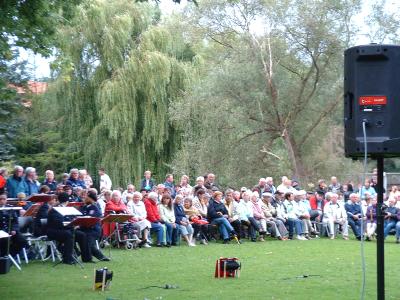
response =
{"points": [[390, 216], [154, 218], [42, 214], [7, 218], [65, 235], [354, 214], [334, 213], [246, 216], [218, 215], [292, 219], [93, 233]]}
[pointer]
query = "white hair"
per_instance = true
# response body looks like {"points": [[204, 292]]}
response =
{"points": [[30, 170], [153, 196], [137, 194], [116, 192]]}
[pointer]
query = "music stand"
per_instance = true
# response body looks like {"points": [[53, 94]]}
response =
{"points": [[40, 198], [33, 210], [115, 218], [75, 204]]}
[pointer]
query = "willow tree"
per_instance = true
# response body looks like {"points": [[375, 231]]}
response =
{"points": [[116, 73]]}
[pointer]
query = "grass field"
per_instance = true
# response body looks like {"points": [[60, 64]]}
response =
{"points": [[269, 271]]}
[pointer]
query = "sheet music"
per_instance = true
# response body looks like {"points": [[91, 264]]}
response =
{"points": [[68, 211], [10, 208], [3, 234]]}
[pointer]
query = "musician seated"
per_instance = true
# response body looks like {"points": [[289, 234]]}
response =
{"points": [[65, 235], [9, 224], [91, 209], [40, 228]]}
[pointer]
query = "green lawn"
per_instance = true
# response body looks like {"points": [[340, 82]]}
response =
{"points": [[268, 272]]}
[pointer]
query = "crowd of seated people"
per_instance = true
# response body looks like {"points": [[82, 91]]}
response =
{"points": [[164, 214]]}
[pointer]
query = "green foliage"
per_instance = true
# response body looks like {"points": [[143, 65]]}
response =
{"points": [[11, 107], [31, 24], [267, 100], [118, 72]]}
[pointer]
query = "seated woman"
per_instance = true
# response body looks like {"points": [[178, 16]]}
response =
{"points": [[167, 217], [200, 202], [116, 206], [138, 210], [184, 225], [259, 214], [153, 216], [199, 224], [233, 214]]}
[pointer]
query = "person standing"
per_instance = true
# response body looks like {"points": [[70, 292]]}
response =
{"points": [[105, 180], [169, 184], [147, 182], [16, 184]]}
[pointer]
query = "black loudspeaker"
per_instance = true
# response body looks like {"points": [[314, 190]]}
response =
{"points": [[372, 95]]}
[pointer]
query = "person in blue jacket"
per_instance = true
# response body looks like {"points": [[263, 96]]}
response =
{"points": [[16, 183]]}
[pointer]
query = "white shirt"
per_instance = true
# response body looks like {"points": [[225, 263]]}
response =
{"points": [[105, 182]]}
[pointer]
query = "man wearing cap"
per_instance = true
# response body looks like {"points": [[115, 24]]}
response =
{"points": [[93, 233], [276, 226], [65, 235]]}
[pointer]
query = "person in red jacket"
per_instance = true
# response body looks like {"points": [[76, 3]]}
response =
{"points": [[154, 217], [317, 203], [117, 206]]}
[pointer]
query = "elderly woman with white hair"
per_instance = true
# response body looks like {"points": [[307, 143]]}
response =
{"points": [[138, 210], [117, 206], [154, 218]]}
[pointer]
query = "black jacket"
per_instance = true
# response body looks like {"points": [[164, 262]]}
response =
{"points": [[214, 208]]}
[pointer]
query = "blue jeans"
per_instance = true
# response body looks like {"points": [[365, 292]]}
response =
{"points": [[224, 227], [389, 225], [158, 229], [398, 230], [295, 223], [168, 232], [355, 226]]}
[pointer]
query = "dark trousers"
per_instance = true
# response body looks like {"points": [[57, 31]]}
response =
{"points": [[202, 229], [18, 242], [92, 236], [253, 227], [66, 237]]}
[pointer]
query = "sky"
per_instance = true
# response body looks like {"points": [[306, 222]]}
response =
{"points": [[41, 66]]}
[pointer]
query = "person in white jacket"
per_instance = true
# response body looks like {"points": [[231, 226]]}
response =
{"points": [[335, 213]]}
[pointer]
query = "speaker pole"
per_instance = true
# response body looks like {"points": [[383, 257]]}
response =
{"points": [[380, 257]]}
